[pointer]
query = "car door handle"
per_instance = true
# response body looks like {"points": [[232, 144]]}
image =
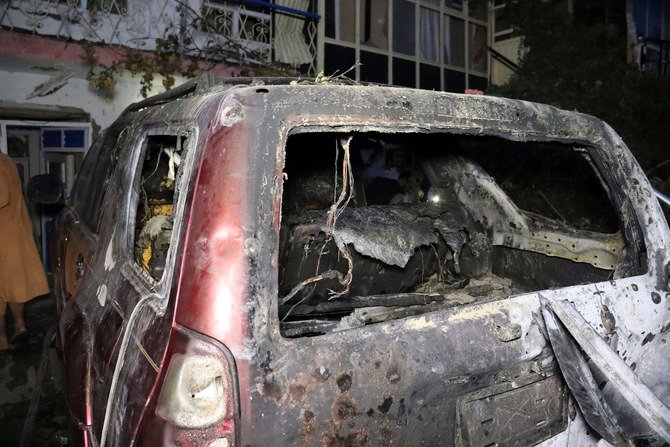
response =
{"points": [[79, 267]]}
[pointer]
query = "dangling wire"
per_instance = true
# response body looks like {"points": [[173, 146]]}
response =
{"points": [[334, 212]]}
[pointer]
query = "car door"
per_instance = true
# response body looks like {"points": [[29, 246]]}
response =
{"points": [[129, 323], [76, 240]]}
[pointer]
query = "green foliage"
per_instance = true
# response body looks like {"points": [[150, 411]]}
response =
{"points": [[165, 61], [579, 63]]}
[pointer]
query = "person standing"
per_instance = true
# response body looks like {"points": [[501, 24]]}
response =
{"points": [[22, 275]]}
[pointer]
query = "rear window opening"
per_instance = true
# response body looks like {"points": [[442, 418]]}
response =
{"points": [[377, 226]]}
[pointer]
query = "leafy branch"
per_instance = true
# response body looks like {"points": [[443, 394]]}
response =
{"points": [[179, 52]]}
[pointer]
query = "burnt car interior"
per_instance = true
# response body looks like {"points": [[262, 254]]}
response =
{"points": [[378, 226], [158, 188]]}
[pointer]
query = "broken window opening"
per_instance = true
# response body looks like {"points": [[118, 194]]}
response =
{"points": [[379, 226], [158, 191], [536, 186]]}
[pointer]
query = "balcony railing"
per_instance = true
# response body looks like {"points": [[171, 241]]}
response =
{"points": [[245, 31], [655, 56]]}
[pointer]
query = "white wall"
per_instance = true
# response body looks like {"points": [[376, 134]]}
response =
{"points": [[16, 85], [509, 48]]}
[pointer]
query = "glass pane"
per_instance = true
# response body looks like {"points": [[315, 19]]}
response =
{"points": [[454, 81], [477, 9], [52, 138], [75, 138], [374, 26], [654, 15], [341, 20], [347, 21], [374, 67], [91, 183], [330, 20], [454, 4], [430, 34], [338, 59], [403, 27], [17, 146], [403, 73], [502, 20], [56, 168], [477, 59], [429, 77], [640, 17], [454, 41], [477, 82]]}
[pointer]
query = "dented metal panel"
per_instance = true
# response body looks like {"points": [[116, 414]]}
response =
{"points": [[614, 371]]}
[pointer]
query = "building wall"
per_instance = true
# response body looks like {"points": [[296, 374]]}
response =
{"points": [[15, 86], [29, 61], [509, 48]]}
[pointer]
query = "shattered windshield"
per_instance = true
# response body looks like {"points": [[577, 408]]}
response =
{"points": [[377, 226]]}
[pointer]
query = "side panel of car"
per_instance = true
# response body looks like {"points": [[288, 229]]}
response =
{"points": [[73, 325], [78, 255], [75, 250], [120, 287], [133, 322]]}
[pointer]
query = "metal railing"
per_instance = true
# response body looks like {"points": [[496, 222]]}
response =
{"points": [[245, 31], [655, 56]]}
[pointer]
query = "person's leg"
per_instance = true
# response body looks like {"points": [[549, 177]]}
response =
{"points": [[17, 314], [4, 342]]}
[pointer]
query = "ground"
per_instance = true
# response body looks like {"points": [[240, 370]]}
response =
{"points": [[20, 384]]}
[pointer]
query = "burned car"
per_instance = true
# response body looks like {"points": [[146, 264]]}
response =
{"points": [[264, 263]]}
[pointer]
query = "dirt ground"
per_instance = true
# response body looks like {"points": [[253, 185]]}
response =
{"points": [[31, 371]]}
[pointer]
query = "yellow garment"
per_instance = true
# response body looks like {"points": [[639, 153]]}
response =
{"points": [[21, 272], [148, 251], [162, 210]]}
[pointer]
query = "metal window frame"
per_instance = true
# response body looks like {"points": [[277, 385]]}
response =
{"points": [[442, 10], [42, 124]]}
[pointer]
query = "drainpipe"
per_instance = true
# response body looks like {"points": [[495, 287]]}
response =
{"points": [[633, 47], [320, 37]]}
